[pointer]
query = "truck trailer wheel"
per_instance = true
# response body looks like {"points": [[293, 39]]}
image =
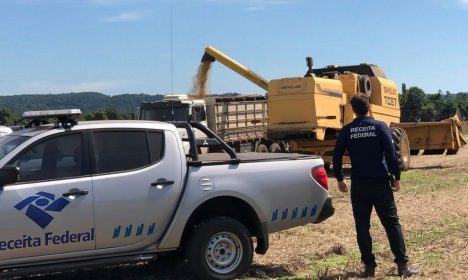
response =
{"points": [[220, 248], [402, 147], [275, 148], [261, 148]]}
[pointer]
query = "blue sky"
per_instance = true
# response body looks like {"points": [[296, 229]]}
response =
{"points": [[124, 46]]}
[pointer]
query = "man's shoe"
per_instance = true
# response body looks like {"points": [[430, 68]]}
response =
{"points": [[405, 271], [369, 271]]}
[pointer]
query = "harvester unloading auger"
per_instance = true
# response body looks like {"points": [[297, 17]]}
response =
{"points": [[211, 55], [309, 111]]}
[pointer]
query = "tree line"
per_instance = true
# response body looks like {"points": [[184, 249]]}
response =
{"points": [[11, 118], [94, 105], [86, 101], [416, 105]]}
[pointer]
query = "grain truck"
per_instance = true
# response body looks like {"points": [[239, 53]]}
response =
{"points": [[240, 121]]}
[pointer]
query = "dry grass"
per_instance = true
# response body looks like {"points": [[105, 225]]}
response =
{"points": [[433, 209]]}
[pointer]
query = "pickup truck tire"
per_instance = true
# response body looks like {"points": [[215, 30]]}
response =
{"points": [[402, 147], [220, 248]]}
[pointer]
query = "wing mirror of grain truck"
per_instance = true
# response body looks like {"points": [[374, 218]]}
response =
{"points": [[198, 113]]}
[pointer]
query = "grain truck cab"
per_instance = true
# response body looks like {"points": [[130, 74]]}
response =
{"points": [[174, 108]]}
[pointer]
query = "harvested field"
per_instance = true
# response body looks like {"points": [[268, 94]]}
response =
{"points": [[433, 209]]}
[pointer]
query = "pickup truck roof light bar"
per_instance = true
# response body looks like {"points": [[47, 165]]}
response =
{"points": [[66, 118]]}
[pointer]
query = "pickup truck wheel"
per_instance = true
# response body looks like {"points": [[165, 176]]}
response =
{"points": [[220, 248]]}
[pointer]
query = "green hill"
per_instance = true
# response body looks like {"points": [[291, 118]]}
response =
{"points": [[86, 101]]}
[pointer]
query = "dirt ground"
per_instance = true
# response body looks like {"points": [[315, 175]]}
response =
{"points": [[433, 209]]}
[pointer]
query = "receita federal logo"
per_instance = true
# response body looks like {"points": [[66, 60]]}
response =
{"points": [[39, 207]]}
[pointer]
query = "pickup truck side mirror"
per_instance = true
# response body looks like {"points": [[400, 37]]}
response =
{"points": [[9, 174]]}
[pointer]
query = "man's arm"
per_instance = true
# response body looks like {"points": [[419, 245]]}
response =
{"points": [[338, 153], [390, 153]]}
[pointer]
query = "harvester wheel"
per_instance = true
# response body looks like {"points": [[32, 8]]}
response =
{"points": [[402, 147]]}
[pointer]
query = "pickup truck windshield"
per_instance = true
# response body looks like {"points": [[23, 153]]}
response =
{"points": [[8, 143]]}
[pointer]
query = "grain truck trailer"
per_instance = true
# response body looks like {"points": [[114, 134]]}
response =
{"points": [[240, 121]]}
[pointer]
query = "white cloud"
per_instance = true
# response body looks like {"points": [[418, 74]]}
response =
{"points": [[255, 8], [273, 2], [116, 2], [105, 2], [255, 2], [126, 17], [464, 3], [255, 5], [48, 87]]}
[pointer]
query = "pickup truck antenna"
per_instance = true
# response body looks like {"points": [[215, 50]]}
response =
{"points": [[172, 63], [172, 74]]}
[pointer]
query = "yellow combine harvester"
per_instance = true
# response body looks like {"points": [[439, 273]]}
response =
{"points": [[309, 111]]}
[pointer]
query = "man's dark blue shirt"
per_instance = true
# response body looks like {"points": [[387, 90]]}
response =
{"points": [[370, 148]]}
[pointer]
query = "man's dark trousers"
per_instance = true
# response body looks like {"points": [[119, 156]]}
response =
{"points": [[366, 194]]}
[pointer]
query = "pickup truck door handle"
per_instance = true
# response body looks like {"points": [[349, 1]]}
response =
{"points": [[161, 183], [75, 192]]}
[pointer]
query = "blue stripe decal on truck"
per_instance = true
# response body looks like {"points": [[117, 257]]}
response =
{"points": [[294, 213], [151, 229], [116, 232], [274, 217], [314, 211], [140, 229], [129, 230], [304, 212], [285, 214]]}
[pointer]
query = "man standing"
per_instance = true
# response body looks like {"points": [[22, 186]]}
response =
{"points": [[372, 154]]}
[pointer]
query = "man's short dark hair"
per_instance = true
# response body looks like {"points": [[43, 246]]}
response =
{"points": [[360, 104]]}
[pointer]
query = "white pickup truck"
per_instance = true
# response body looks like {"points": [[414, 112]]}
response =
{"points": [[74, 195]]}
